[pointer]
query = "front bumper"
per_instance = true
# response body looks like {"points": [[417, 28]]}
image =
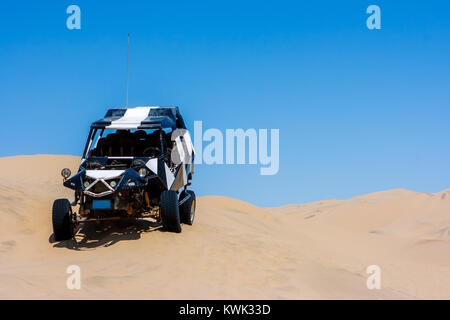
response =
{"points": [[101, 184]]}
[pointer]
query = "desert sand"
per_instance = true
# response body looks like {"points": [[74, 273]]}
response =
{"points": [[234, 250]]}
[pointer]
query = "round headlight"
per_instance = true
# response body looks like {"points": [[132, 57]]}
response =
{"points": [[143, 172], [65, 173], [113, 184], [86, 184]]}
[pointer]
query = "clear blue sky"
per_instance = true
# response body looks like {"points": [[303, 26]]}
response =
{"points": [[358, 110]]}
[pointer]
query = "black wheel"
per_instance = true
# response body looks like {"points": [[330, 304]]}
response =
{"points": [[187, 209], [62, 220], [170, 215]]}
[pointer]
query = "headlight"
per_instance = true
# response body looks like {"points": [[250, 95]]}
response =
{"points": [[65, 173], [86, 184], [143, 172], [113, 184]]}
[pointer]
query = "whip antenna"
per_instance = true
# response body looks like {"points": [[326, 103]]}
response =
{"points": [[128, 65]]}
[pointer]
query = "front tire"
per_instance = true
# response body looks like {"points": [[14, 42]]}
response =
{"points": [[62, 220], [170, 215], [187, 209]]}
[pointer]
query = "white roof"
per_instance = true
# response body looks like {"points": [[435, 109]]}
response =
{"points": [[138, 117], [132, 118]]}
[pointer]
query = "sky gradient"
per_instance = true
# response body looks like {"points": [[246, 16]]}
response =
{"points": [[358, 110]]}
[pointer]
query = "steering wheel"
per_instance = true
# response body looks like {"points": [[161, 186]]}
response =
{"points": [[151, 151]]}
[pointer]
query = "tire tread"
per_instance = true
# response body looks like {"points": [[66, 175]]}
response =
{"points": [[61, 212], [185, 208], [170, 215]]}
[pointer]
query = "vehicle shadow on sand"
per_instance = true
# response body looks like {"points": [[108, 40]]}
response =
{"points": [[105, 234]]}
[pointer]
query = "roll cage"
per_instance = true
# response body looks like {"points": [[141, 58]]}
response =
{"points": [[138, 118]]}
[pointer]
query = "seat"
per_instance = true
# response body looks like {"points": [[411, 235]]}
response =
{"points": [[102, 148], [152, 145], [139, 138], [112, 143], [126, 146]]}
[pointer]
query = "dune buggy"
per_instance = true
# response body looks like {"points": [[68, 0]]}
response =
{"points": [[137, 163]]}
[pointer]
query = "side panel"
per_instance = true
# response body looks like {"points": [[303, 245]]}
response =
{"points": [[183, 152]]}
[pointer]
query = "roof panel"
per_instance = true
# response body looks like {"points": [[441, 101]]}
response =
{"points": [[138, 117]]}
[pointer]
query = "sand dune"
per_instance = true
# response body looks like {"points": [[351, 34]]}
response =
{"points": [[234, 250]]}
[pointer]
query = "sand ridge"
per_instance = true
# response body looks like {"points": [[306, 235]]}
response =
{"points": [[234, 250]]}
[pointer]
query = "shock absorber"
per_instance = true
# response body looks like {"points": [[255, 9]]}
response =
{"points": [[147, 200]]}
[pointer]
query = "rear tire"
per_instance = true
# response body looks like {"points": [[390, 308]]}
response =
{"points": [[62, 220], [170, 215], [187, 209]]}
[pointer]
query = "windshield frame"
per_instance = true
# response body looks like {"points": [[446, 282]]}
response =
{"points": [[93, 135]]}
